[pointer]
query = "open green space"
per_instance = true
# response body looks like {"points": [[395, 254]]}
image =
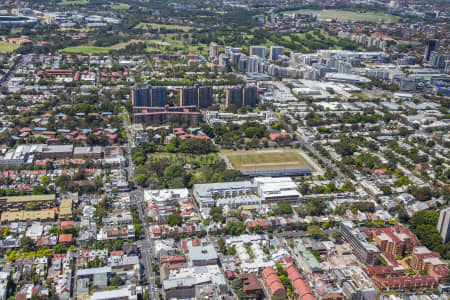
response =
{"points": [[73, 2], [124, 44], [343, 15], [261, 161], [195, 160], [7, 47], [88, 50], [167, 26], [120, 6], [176, 43]]}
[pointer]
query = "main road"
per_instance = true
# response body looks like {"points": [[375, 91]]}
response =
{"points": [[137, 198]]}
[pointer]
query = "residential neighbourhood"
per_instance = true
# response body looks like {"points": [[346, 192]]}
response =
{"points": [[224, 150]]}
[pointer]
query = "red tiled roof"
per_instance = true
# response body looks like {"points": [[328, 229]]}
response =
{"points": [[67, 224], [65, 238]]}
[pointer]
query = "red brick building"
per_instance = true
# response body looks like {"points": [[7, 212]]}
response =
{"points": [[407, 282], [425, 260], [394, 240]]}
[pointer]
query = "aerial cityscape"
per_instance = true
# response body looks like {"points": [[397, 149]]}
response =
{"points": [[232, 149]]}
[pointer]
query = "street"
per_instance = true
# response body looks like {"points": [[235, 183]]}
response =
{"points": [[145, 245]]}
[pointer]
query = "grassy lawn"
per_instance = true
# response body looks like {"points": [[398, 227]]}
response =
{"points": [[167, 26], [73, 2], [124, 44], [120, 6], [7, 47], [173, 43], [88, 50], [259, 161], [182, 159], [374, 17]]}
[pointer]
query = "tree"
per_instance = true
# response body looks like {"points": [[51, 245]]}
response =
{"points": [[141, 179], [283, 209], [116, 281], [60, 248], [63, 181], [217, 214], [421, 193], [118, 244], [174, 171], [337, 236], [235, 228], [174, 219], [45, 180], [27, 244], [315, 231], [38, 190], [31, 206]]}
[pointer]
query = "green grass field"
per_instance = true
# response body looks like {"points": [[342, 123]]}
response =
{"points": [[262, 161], [167, 26], [373, 17], [73, 2], [120, 6], [180, 158], [7, 47], [88, 50], [124, 44]]}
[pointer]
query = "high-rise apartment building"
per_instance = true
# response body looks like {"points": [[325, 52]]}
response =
{"points": [[276, 52], [258, 51], [151, 96], [432, 45]]}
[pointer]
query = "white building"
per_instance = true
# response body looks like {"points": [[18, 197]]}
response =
{"points": [[273, 189]]}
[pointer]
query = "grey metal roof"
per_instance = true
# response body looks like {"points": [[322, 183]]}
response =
{"points": [[93, 271], [202, 253]]}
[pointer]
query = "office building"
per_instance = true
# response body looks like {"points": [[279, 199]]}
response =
{"points": [[258, 51], [276, 52], [444, 224], [432, 45]]}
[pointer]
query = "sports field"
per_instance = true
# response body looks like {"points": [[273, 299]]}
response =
{"points": [[73, 2], [266, 160], [88, 50], [7, 47], [343, 15]]}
